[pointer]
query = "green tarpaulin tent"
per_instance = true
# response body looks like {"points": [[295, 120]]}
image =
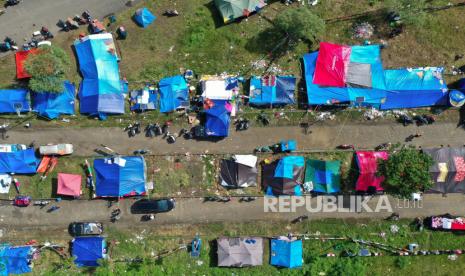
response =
{"points": [[324, 176], [232, 9]]}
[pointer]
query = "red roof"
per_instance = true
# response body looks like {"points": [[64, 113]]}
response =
{"points": [[69, 184], [367, 162], [21, 57], [332, 65]]}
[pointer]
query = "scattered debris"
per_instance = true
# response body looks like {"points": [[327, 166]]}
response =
{"points": [[394, 229], [372, 114], [363, 30]]}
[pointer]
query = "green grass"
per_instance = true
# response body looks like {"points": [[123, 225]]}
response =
{"points": [[149, 243]]}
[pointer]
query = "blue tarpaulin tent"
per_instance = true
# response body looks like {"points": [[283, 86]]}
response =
{"points": [[12, 100], [15, 259], [323, 176], [120, 176], [174, 93], [20, 161], [217, 120], [100, 92], [287, 165], [52, 105], [88, 250], [268, 90], [409, 88], [144, 99], [144, 17], [285, 253], [284, 176]]}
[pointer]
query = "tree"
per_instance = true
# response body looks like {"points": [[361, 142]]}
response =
{"points": [[48, 69], [410, 12], [300, 23], [406, 171]]}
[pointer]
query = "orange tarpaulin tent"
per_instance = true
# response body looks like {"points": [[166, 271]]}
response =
{"points": [[21, 57]]}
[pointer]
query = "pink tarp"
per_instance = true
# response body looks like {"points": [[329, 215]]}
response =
{"points": [[69, 184], [332, 65], [367, 162], [21, 57]]}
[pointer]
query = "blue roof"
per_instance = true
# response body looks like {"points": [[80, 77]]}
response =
{"points": [[52, 105], [174, 93], [281, 93], [15, 260], [144, 17], [286, 253], [408, 88], [217, 120], [21, 162], [144, 99], [287, 164], [100, 90], [11, 99], [88, 250], [120, 176]]}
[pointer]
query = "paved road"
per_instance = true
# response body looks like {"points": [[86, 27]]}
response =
{"points": [[193, 211], [363, 136], [20, 21]]}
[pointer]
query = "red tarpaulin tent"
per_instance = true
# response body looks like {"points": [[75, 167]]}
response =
{"points": [[21, 57], [367, 162], [332, 65], [69, 184]]}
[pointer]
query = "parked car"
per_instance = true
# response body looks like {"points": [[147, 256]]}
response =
{"points": [[85, 228], [60, 149], [148, 206]]}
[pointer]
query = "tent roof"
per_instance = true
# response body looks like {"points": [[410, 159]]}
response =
{"points": [[11, 99], [19, 162], [217, 120], [236, 175], [88, 250], [324, 175], [332, 65], [15, 259], [232, 9], [69, 184], [367, 162], [52, 105], [286, 253], [287, 165], [144, 99], [144, 17], [448, 169], [280, 90], [278, 185], [21, 57], [120, 176], [240, 252], [174, 93]]}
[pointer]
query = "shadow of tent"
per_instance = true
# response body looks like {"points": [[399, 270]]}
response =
{"points": [[55, 188], [213, 254], [216, 15]]}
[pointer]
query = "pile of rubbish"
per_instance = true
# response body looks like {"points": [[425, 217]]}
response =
{"points": [[363, 30]]}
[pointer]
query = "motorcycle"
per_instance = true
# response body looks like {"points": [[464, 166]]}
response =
{"points": [[80, 20], [345, 147], [247, 199], [242, 124], [115, 215], [63, 26], [46, 33], [12, 3], [72, 25], [171, 13]]}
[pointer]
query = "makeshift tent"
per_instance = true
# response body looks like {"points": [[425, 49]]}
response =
{"points": [[174, 93], [447, 222], [19, 161], [323, 176], [14, 100], [235, 174], [120, 176], [100, 92], [144, 99], [284, 176], [218, 88], [217, 120], [88, 250], [367, 162], [268, 90], [21, 57], [15, 259], [448, 170], [69, 184], [240, 252], [52, 105], [342, 74], [232, 9], [144, 17], [286, 252], [410, 88]]}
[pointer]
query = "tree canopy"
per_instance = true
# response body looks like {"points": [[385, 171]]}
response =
{"points": [[406, 171], [300, 23], [410, 12], [48, 69]]}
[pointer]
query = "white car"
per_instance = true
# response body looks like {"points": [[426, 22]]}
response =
{"points": [[60, 149]]}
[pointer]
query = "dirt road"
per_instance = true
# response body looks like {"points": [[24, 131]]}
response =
{"points": [[363, 136]]}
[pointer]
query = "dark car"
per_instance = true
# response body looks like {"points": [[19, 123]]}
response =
{"points": [[151, 206], [85, 228]]}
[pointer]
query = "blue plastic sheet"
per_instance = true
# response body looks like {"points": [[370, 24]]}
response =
{"points": [[287, 165], [52, 105], [12, 100], [286, 253], [20, 162], [120, 176], [88, 250], [281, 93], [174, 93], [15, 260], [217, 120]]}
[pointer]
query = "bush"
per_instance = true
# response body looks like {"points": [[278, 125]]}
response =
{"points": [[300, 23], [48, 69]]}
